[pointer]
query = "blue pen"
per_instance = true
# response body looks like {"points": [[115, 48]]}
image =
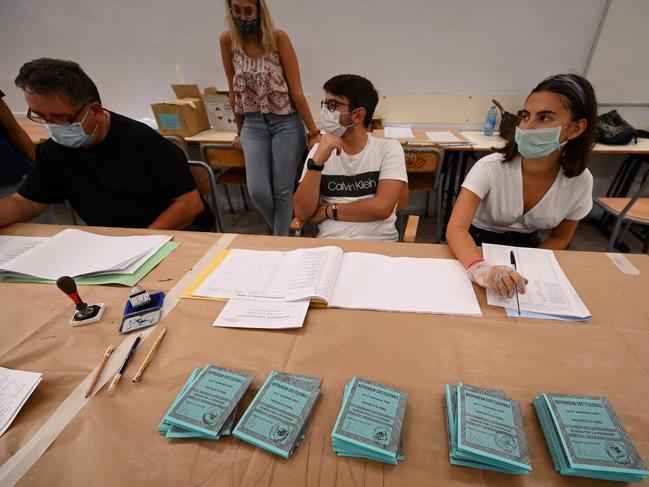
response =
{"points": [[122, 369], [512, 259]]}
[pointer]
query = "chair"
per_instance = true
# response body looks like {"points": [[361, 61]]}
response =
{"points": [[230, 168], [297, 225], [424, 164], [627, 211], [180, 143], [206, 185]]}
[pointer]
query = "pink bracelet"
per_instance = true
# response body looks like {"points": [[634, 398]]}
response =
{"points": [[474, 262]]}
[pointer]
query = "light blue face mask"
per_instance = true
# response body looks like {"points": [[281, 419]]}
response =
{"points": [[536, 143], [71, 135]]}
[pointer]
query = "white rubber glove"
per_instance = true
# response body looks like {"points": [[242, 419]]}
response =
{"points": [[501, 279]]}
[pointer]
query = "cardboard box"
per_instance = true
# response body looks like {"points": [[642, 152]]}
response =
{"points": [[219, 110], [184, 116]]}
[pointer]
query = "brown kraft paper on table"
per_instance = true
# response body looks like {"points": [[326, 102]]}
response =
{"points": [[114, 440]]}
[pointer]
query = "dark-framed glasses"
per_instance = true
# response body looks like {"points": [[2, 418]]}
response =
{"points": [[332, 105], [62, 120]]}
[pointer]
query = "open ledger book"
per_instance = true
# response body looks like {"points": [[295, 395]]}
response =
{"points": [[328, 276], [549, 294]]}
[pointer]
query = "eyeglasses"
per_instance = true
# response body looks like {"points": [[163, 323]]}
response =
{"points": [[63, 120], [246, 13], [332, 105]]}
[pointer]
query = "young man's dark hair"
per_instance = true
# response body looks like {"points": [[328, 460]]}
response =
{"points": [[47, 76], [360, 92]]}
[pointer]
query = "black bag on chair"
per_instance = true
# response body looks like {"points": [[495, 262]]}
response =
{"points": [[612, 129]]}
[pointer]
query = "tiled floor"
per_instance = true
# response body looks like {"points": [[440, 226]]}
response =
{"points": [[589, 236]]}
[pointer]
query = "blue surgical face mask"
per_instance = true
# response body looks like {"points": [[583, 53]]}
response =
{"points": [[537, 143], [247, 27], [71, 135]]}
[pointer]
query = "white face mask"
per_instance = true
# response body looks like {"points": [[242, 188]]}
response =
{"points": [[330, 122]]}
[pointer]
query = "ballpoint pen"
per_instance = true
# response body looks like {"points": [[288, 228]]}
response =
{"points": [[512, 260], [122, 369]]}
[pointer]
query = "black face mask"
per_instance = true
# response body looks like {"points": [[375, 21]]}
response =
{"points": [[247, 27]]}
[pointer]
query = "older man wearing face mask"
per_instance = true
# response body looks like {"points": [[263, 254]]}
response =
{"points": [[113, 170], [352, 181]]}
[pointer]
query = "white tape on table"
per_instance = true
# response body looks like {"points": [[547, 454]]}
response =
{"points": [[623, 263]]}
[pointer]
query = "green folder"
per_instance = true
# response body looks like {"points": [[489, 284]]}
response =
{"points": [[122, 279]]}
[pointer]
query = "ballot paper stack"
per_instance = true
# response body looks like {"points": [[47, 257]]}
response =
{"points": [[485, 430], [87, 257], [586, 438], [370, 422], [207, 404], [278, 416]]}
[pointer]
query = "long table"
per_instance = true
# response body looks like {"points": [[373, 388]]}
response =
{"points": [[113, 439]]}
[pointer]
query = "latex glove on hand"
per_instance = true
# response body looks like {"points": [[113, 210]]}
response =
{"points": [[501, 279]]}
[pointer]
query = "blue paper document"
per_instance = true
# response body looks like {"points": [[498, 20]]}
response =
{"points": [[370, 422], [586, 438], [485, 430], [277, 418], [207, 406]]}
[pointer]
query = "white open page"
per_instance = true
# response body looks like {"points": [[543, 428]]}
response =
{"points": [[548, 291], [12, 247], [76, 253], [15, 388], [274, 275], [420, 285]]}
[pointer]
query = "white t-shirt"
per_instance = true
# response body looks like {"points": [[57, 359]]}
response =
{"points": [[500, 187], [348, 178]]}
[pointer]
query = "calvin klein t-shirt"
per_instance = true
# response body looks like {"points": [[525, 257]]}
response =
{"points": [[348, 178]]}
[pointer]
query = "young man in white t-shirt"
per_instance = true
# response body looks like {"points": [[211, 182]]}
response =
{"points": [[352, 181]]}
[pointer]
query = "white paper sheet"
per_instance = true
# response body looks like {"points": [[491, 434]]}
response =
{"points": [[442, 137], [12, 247], [240, 313], [77, 253], [398, 133], [15, 388], [548, 292], [419, 285], [274, 275]]}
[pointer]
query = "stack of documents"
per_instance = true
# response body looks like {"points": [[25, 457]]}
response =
{"points": [[278, 416], [89, 258], [370, 422], [207, 404], [485, 430], [15, 388], [329, 276], [549, 294], [586, 438]]}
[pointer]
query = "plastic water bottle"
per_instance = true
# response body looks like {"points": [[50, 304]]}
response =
{"points": [[490, 124]]}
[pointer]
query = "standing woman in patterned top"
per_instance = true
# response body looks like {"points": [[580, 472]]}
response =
{"points": [[270, 108]]}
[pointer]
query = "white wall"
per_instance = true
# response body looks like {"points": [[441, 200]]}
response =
{"points": [[131, 47]]}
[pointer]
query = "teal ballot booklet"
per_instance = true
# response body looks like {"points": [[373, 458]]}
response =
{"points": [[370, 422], [278, 416], [586, 438], [485, 430], [207, 405]]}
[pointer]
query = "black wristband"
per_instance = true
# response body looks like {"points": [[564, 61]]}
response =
{"points": [[312, 166], [334, 209]]}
